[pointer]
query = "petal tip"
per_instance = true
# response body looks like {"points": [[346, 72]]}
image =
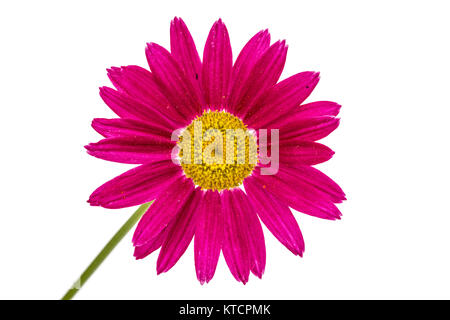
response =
{"points": [[258, 273], [137, 256], [104, 91], [93, 201], [161, 269], [203, 279], [151, 46], [177, 22]]}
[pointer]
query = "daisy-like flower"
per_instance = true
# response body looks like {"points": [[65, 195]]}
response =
{"points": [[218, 204]]}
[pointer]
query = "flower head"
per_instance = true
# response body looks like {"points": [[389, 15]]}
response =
{"points": [[220, 146]]}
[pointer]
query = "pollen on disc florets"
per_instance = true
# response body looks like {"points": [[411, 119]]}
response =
{"points": [[217, 151]]}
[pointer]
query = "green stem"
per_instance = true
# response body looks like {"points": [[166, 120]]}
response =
{"points": [[106, 251]]}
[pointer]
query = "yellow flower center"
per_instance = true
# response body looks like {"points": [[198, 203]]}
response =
{"points": [[217, 151]]}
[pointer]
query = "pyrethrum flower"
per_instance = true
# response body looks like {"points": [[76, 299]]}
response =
{"points": [[220, 205]]}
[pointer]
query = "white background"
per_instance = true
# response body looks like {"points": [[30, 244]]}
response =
{"points": [[386, 62]]}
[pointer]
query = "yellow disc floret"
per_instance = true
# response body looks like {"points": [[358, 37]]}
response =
{"points": [[217, 151]]}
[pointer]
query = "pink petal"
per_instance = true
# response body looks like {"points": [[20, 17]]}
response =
{"points": [[110, 128], [295, 195], [276, 216], [132, 149], [217, 64], [127, 107], [183, 49], [304, 152], [243, 246], [263, 76], [312, 182], [255, 234], [136, 186], [281, 99], [236, 244], [296, 128], [247, 58], [167, 206], [180, 233], [140, 252], [140, 84], [172, 81], [319, 109], [208, 236]]}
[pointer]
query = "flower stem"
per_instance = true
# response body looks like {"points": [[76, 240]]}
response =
{"points": [[107, 249]]}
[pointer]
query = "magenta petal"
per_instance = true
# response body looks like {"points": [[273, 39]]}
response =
{"points": [[127, 107], [263, 76], [208, 236], [299, 196], [140, 84], [319, 109], [255, 234], [296, 128], [180, 233], [183, 49], [243, 245], [136, 186], [281, 99], [304, 152], [168, 204], [132, 149], [247, 58], [276, 216], [235, 248], [110, 128], [140, 252], [172, 81], [313, 182], [217, 64]]}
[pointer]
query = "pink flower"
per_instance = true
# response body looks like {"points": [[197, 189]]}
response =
{"points": [[204, 200]]}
